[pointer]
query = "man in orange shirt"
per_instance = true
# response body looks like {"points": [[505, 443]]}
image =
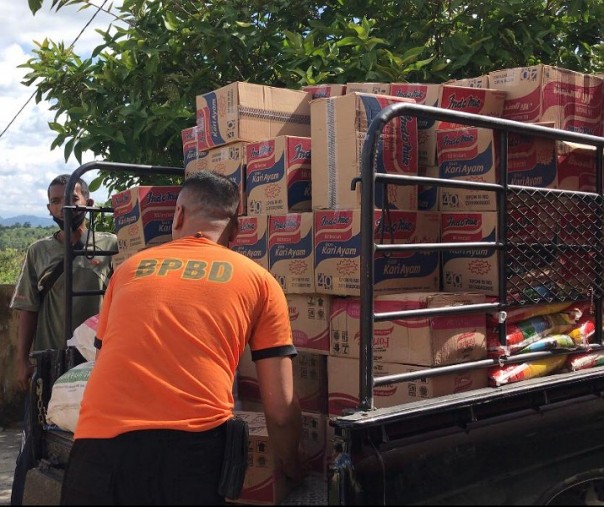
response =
{"points": [[174, 323]]}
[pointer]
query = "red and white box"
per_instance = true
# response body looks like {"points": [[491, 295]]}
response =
{"points": [[252, 239], [466, 154], [143, 216], [470, 270], [482, 101], [427, 94], [338, 250], [278, 175], [291, 251], [576, 167]]}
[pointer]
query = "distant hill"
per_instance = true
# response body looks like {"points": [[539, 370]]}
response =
{"points": [[32, 220]]}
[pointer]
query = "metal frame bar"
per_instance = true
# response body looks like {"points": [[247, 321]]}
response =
{"points": [[69, 209], [368, 179]]}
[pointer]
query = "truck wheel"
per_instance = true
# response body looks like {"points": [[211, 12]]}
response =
{"points": [[583, 489]]}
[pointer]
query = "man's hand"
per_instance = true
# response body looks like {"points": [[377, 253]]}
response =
{"points": [[25, 370], [296, 471]]}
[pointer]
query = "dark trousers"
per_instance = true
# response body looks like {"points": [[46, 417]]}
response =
{"points": [[25, 459], [150, 467]]}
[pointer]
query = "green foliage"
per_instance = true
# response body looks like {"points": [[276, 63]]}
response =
{"points": [[130, 100], [14, 241], [10, 265], [19, 237]]}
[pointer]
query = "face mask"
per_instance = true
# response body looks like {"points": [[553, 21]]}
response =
{"points": [[76, 221]]}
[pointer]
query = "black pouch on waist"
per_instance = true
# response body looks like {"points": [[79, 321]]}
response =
{"points": [[234, 463]]}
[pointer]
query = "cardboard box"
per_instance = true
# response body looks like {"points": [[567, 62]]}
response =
{"points": [[338, 131], [532, 160], [471, 82], [427, 195], [343, 376], [228, 160], [428, 95], [189, 147], [291, 251], [278, 175], [470, 270], [252, 239], [322, 91], [466, 154], [429, 341], [483, 101], [143, 216], [309, 316], [576, 167], [243, 111], [338, 250], [264, 482], [375, 88], [310, 380], [572, 100]]}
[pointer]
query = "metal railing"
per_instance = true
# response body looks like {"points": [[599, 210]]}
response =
{"points": [[530, 270]]}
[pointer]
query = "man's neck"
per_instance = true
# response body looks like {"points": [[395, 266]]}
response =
{"points": [[75, 235]]}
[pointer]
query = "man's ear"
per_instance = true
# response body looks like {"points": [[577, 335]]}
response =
{"points": [[48, 208], [90, 202]]}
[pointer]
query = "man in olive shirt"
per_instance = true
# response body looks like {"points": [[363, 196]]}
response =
{"points": [[41, 305]]}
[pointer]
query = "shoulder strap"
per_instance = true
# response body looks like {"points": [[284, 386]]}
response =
{"points": [[48, 280]]}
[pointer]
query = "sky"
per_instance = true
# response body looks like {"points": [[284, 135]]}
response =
{"points": [[27, 164]]}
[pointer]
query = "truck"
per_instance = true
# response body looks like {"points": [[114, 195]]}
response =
{"points": [[536, 441]]}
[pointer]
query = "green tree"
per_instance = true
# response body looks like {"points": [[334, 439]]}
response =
{"points": [[130, 100], [10, 265]]}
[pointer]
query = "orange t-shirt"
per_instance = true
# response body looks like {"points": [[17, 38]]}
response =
{"points": [[173, 325]]}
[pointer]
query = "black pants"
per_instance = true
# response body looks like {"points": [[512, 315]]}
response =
{"points": [[152, 467], [25, 459]]}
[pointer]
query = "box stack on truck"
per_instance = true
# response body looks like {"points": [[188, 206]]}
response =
{"points": [[301, 220], [295, 154]]}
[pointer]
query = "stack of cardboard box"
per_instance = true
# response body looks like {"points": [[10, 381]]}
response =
{"points": [[294, 155]]}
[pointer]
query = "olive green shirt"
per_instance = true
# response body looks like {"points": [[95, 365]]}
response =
{"points": [[89, 273]]}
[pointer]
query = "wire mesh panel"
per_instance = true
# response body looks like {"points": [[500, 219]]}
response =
{"points": [[554, 249]]}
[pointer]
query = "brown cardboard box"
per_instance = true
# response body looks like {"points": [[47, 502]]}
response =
{"points": [[228, 160], [309, 317], [264, 482], [338, 130], [429, 341], [343, 376], [572, 100], [278, 175], [242, 111], [310, 380], [375, 88], [322, 91]]}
